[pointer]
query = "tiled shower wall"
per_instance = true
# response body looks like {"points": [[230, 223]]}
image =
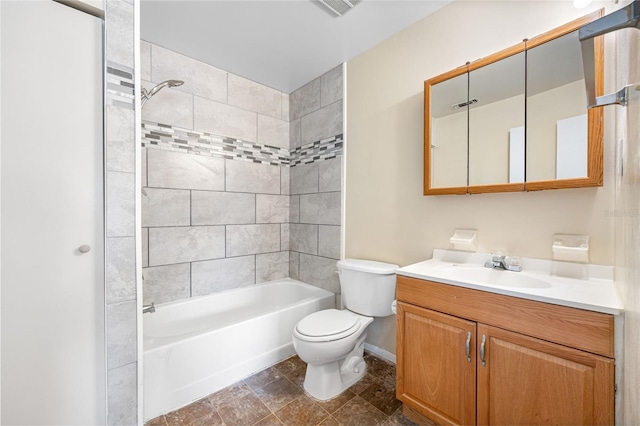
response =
{"points": [[218, 158], [316, 114], [215, 206], [120, 281]]}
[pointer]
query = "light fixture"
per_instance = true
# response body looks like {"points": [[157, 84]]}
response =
{"points": [[464, 104]]}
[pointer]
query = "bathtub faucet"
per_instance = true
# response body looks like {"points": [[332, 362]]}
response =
{"points": [[148, 308]]}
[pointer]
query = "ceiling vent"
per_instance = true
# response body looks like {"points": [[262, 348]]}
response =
{"points": [[340, 7]]}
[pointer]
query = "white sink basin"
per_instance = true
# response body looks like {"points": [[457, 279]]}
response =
{"points": [[482, 275]]}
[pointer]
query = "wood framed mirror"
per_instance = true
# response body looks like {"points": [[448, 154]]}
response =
{"points": [[516, 120]]}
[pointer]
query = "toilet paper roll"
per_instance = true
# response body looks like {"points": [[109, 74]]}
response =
{"points": [[394, 307]]}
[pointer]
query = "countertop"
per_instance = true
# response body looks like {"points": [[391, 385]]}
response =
{"points": [[582, 286]]}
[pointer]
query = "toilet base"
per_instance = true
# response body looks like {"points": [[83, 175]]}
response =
{"points": [[326, 381]]}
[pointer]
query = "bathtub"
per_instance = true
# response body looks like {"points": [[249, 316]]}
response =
{"points": [[195, 347]]}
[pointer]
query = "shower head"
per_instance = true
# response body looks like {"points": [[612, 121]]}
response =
{"points": [[146, 95]]}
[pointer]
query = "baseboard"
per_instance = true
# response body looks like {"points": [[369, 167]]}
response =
{"points": [[380, 352]]}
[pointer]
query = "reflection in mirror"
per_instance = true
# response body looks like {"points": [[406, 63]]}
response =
{"points": [[496, 122], [449, 133], [556, 111]]}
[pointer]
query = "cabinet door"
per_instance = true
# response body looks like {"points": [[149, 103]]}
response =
{"points": [[435, 375], [526, 381]]}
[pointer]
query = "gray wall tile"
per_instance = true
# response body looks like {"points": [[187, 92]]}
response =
{"points": [[145, 247], [255, 97], [185, 244], [304, 100], [294, 209], [120, 204], [331, 87], [329, 241], [244, 176], [272, 208], [120, 132], [320, 272], [169, 106], [285, 107], [295, 134], [121, 334], [330, 175], [166, 207], [167, 169], [120, 269], [272, 266], [294, 265], [304, 178], [164, 284], [303, 238], [222, 208], [273, 132], [122, 390], [252, 239], [322, 124], [199, 78], [223, 274], [224, 120], [323, 208], [285, 180], [145, 60], [284, 236], [119, 43], [143, 164]]}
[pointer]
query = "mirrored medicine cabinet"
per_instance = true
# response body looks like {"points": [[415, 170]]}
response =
{"points": [[516, 120]]}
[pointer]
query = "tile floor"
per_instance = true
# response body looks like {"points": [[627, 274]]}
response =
{"points": [[275, 397]]}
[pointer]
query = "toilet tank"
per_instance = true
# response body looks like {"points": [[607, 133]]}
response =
{"points": [[368, 287]]}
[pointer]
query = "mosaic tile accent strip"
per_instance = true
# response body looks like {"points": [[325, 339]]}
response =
{"points": [[120, 85], [170, 138], [324, 149]]}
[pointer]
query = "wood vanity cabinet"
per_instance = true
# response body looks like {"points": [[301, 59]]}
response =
{"points": [[471, 357]]}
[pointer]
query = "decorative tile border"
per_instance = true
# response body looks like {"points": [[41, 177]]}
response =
{"points": [[119, 85], [169, 138], [324, 149]]}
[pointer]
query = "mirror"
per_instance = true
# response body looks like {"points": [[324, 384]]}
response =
{"points": [[477, 138], [449, 132], [558, 134], [499, 89]]}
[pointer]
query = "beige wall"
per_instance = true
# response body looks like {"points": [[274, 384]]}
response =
{"points": [[387, 217]]}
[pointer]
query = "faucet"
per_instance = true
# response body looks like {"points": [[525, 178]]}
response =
{"points": [[500, 262], [149, 308]]}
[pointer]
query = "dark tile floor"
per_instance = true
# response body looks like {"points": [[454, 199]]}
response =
{"points": [[275, 397]]}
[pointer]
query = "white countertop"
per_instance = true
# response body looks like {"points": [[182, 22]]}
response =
{"points": [[582, 286]]}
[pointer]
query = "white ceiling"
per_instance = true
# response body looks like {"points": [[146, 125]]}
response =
{"points": [[281, 44]]}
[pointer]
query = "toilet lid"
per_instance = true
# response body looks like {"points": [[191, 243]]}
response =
{"points": [[327, 323]]}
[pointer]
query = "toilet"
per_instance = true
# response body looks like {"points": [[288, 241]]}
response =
{"points": [[331, 341]]}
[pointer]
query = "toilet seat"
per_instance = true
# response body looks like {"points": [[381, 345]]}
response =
{"points": [[327, 325]]}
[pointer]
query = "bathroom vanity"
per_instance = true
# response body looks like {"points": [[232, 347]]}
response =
{"points": [[483, 346]]}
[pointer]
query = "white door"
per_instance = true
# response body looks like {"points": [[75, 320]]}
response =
{"points": [[51, 195]]}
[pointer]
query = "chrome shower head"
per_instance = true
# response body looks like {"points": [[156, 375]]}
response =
{"points": [[146, 95]]}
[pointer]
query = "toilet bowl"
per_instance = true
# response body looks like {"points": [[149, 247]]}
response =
{"points": [[331, 342]]}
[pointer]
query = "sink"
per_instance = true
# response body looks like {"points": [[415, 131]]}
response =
{"points": [[482, 275]]}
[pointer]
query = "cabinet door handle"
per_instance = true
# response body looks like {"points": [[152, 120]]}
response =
{"points": [[468, 346], [484, 340]]}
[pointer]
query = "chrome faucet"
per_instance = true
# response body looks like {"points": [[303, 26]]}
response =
{"points": [[500, 262], [149, 308]]}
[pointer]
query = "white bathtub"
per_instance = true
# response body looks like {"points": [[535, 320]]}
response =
{"points": [[195, 347]]}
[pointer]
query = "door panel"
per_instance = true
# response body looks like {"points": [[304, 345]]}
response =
{"points": [[53, 362], [527, 381], [435, 376]]}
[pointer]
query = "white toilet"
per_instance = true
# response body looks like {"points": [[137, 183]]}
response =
{"points": [[331, 342]]}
